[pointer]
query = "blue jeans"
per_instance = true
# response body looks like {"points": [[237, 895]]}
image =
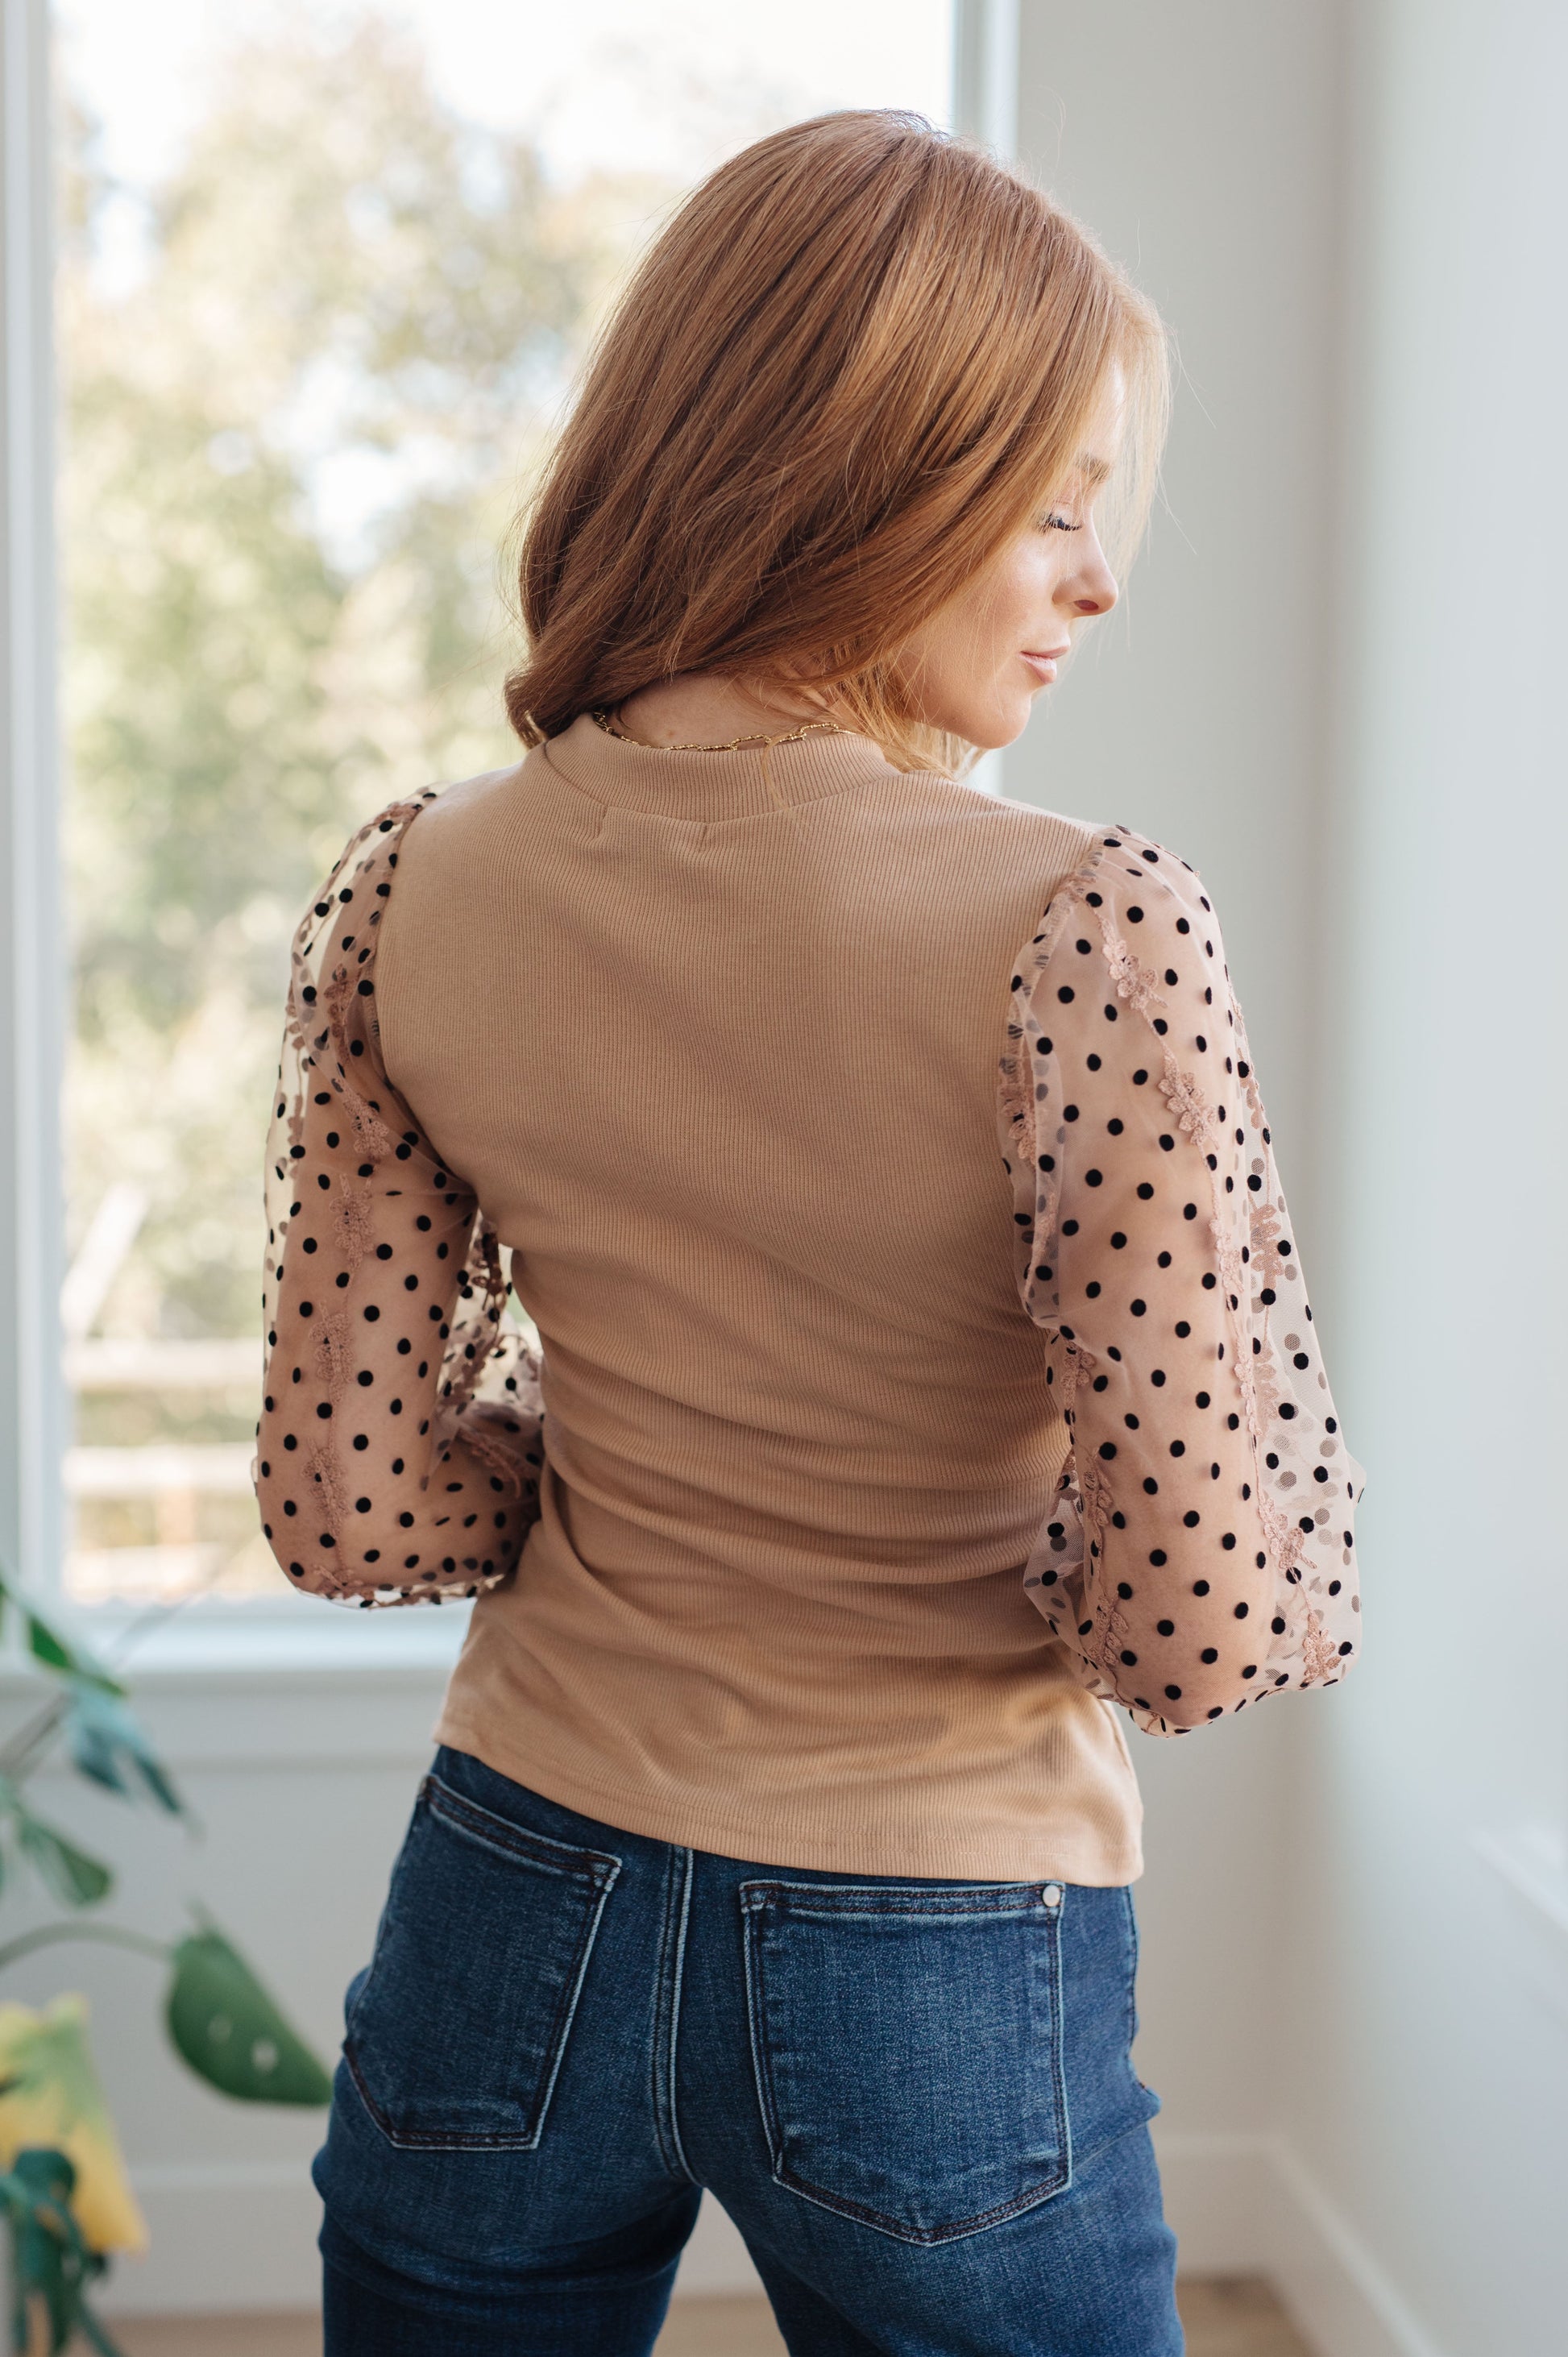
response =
{"points": [[914, 2098]]}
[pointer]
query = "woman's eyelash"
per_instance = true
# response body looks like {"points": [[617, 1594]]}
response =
{"points": [[1058, 524]]}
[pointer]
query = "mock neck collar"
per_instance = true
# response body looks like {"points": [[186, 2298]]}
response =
{"points": [[712, 785]]}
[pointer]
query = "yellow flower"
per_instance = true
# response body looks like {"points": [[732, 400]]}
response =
{"points": [[50, 2095]]}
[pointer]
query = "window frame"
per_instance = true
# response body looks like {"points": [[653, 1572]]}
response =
{"points": [[986, 73], [34, 975], [985, 44]]}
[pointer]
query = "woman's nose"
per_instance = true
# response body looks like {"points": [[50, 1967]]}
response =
{"points": [[1094, 591]]}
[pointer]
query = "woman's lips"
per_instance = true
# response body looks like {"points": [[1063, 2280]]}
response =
{"points": [[1044, 664]]}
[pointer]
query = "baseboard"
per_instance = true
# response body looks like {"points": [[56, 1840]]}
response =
{"points": [[1339, 2298], [240, 2238], [1246, 2204], [227, 2238]]}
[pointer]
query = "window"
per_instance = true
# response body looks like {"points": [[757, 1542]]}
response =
{"points": [[323, 276]]}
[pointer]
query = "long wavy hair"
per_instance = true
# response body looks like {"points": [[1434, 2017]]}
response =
{"points": [[854, 363]]}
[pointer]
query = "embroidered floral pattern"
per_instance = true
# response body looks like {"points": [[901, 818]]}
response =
{"points": [[1229, 1255], [1138, 985], [1268, 1266], [1181, 1093]]}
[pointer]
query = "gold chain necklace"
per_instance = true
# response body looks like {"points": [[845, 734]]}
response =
{"points": [[605, 720]]}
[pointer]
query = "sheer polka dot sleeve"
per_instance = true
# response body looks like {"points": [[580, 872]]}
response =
{"points": [[398, 1448], [1199, 1553]]}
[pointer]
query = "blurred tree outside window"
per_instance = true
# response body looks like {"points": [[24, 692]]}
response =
{"points": [[309, 355]]}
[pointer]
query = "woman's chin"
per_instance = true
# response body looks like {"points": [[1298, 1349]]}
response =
{"points": [[1000, 726], [1000, 720]]}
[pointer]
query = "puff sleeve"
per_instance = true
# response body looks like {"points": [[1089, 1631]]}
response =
{"points": [[1201, 1551], [400, 1443]]}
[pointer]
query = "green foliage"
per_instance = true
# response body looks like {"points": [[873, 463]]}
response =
{"points": [[74, 1878], [69, 1872], [221, 2020], [290, 450], [228, 2028], [47, 1647], [52, 2265], [108, 1746]]}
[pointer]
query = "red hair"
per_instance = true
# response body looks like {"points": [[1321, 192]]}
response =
{"points": [[857, 358]]}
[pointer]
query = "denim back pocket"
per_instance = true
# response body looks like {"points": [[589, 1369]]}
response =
{"points": [[908, 2049], [456, 2032]]}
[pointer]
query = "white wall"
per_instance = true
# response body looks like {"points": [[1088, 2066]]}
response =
{"points": [[1341, 695], [1200, 144], [1431, 2100]]}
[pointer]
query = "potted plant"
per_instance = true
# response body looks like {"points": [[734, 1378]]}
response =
{"points": [[68, 2204]]}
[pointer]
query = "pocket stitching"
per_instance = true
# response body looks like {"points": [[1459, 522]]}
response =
{"points": [[600, 1870], [1131, 1915], [466, 1816], [926, 2236], [754, 1897], [508, 1842], [842, 1898]]}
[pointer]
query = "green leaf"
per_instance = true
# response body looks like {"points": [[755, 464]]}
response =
{"points": [[75, 1879], [50, 1649], [227, 2028], [50, 2260], [45, 2243], [35, 2192], [91, 2331], [48, 1646], [109, 1744]]}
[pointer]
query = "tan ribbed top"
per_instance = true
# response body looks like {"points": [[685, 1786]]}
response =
{"points": [[717, 1048]]}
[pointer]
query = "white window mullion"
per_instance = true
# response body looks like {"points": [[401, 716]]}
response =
{"points": [[33, 967], [986, 73], [985, 108]]}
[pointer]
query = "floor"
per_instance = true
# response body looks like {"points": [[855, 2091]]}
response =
{"points": [[1224, 2316]]}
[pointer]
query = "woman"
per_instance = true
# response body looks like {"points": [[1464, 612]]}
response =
{"points": [[926, 1365]]}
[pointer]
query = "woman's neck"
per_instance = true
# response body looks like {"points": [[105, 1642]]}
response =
{"points": [[703, 708]]}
